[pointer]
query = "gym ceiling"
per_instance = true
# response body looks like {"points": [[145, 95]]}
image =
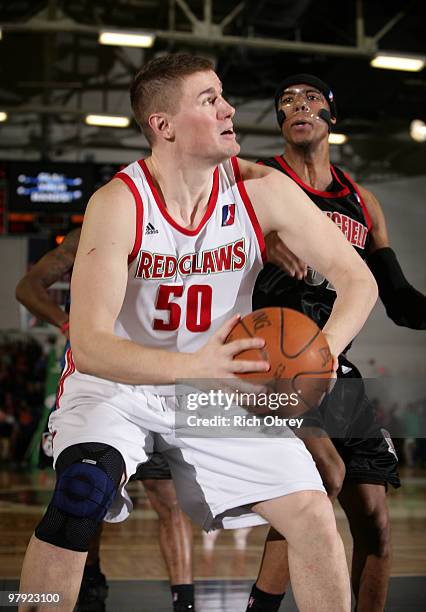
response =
{"points": [[53, 72]]}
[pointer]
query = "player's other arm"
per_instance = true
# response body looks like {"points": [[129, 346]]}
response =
{"points": [[283, 207], [98, 288], [404, 304], [32, 289]]}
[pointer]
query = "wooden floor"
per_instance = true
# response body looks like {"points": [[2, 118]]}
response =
{"points": [[130, 549]]}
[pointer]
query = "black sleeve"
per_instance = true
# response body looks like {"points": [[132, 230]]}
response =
{"points": [[404, 305]]}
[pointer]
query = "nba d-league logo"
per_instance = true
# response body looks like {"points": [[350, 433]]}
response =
{"points": [[228, 214]]}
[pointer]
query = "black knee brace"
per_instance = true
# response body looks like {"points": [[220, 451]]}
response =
{"points": [[87, 479]]}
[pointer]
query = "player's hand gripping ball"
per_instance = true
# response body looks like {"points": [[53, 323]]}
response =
{"points": [[300, 358]]}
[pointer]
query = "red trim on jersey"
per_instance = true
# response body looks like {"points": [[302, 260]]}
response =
{"points": [[70, 369], [325, 194], [249, 207], [236, 169], [163, 209], [362, 202], [139, 214]]}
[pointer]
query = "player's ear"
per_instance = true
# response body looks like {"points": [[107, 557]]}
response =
{"points": [[161, 125]]}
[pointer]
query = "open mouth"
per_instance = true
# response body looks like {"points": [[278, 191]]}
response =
{"points": [[300, 122], [228, 132]]}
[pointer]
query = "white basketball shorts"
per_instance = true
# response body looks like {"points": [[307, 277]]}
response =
{"points": [[216, 479]]}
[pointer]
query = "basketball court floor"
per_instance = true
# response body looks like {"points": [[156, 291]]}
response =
{"points": [[131, 559]]}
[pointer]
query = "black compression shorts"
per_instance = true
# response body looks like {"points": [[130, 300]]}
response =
{"points": [[349, 418], [157, 468]]}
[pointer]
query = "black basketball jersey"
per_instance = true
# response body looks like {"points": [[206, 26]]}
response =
{"points": [[314, 295]]}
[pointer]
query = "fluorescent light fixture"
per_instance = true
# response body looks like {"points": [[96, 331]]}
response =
{"points": [[108, 121], [398, 62], [418, 130], [1, 33], [3, 116], [126, 39], [337, 139]]}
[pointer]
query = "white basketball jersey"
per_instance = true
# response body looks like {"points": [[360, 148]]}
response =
{"points": [[183, 284]]}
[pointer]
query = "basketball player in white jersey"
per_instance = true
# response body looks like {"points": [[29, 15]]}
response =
{"points": [[166, 264]]}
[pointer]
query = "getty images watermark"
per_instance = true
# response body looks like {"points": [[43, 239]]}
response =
{"points": [[355, 408], [236, 413]]}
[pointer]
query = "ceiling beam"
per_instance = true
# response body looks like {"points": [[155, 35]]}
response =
{"points": [[68, 25]]}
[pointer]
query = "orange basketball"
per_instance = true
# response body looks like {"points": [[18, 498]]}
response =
{"points": [[295, 347]]}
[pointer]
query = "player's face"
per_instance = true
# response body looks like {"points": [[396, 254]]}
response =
{"points": [[301, 105], [203, 122]]}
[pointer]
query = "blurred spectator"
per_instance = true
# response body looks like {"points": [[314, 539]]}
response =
{"points": [[7, 425], [22, 379]]}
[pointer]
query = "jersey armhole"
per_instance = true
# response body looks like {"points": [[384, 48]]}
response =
{"points": [[139, 214], [361, 201], [249, 208]]}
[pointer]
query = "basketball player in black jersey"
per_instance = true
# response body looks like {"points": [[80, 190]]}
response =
{"points": [[356, 470], [174, 526]]}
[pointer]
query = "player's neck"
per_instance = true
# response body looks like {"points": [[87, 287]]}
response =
{"points": [[312, 165], [185, 189]]}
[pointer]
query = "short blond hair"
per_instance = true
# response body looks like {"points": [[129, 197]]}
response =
{"points": [[156, 87]]}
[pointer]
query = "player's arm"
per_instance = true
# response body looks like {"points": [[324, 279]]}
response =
{"points": [[32, 289], [404, 304], [98, 288], [282, 206]]}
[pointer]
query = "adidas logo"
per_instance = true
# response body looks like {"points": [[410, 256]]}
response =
{"points": [[150, 229]]}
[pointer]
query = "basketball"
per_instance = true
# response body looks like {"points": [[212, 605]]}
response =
{"points": [[295, 347]]}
